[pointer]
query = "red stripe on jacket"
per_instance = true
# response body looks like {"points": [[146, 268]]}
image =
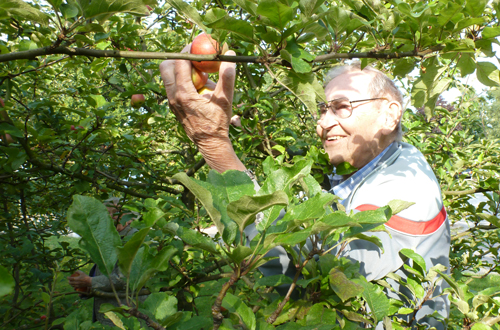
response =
{"points": [[409, 226]]}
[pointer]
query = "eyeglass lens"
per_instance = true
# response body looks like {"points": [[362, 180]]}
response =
{"points": [[340, 107]]}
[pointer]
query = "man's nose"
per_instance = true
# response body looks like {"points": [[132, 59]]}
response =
{"points": [[328, 120]]}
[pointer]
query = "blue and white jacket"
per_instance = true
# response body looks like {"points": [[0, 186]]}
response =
{"points": [[401, 173]]}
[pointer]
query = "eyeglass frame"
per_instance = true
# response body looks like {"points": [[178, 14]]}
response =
{"points": [[351, 102]]}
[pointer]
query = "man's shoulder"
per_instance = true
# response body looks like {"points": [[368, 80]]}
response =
{"points": [[407, 177], [409, 165]]}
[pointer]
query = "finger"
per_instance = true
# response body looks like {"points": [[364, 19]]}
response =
{"points": [[167, 72], [167, 75], [182, 72], [227, 75]]}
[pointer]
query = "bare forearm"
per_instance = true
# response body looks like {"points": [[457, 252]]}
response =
{"points": [[220, 156]]}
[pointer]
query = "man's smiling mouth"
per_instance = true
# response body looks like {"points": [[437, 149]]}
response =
{"points": [[335, 138]]}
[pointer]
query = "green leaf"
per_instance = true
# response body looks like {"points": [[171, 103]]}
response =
{"points": [[320, 314], [69, 11], [244, 210], [240, 253], [197, 239], [488, 74], [145, 265], [345, 168], [309, 7], [55, 3], [226, 188], [115, 319], [21, 10], [248, 6], [332, 221], [196, 323], [466, 22], [475, 8], [294, 238], [188, 11], [338, 19], [204, 196], [494, 220], [278, 14], [374, 239], [380, 215], [273, 280], [228, 23], [297, 56], [281, 179], [161, 304], [235, 305], [415, 257], [466, 64], [397, 205], [447, 13], [7, 282], [104, 9], [453, 283], [172, 319], [312, 208], [305, 86], [126, 253], [10, 129], [415, 287], [481, 326], [90, 219], [403, 67], [377, 300], [342, 286], [298, 64], [305, 282]]}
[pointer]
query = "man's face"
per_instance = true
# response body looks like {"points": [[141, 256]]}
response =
{"points": [[359, 138]]}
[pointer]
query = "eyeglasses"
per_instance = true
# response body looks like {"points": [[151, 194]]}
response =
{"points": [[341, 107]]}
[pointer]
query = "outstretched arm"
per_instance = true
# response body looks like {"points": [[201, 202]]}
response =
{"points": [[205, 118]]}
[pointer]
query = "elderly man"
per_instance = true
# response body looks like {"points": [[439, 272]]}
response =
{"points": [[360, 124]]}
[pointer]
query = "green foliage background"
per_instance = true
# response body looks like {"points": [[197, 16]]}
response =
{"points": [[67, 71]]}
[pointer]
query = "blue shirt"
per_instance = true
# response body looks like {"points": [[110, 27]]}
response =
{"points": [[343, 187]]}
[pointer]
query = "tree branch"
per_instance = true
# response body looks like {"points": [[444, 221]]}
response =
{"points": [[32, 54], [465, 192]]}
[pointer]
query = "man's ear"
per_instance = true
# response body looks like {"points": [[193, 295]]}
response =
{"points": [[393, 112]]}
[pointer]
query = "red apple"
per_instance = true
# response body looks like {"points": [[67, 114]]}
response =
{"points": [[204, 44], [43, 317], [1, 103], [137, 101], [72, 128], [199, 78]]}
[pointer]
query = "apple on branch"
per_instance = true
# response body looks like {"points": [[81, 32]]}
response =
{"points": [[204, 44], [137, 101]]}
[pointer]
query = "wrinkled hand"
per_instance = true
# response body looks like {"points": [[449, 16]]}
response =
{"points": [[81, 281], [206, 117]]}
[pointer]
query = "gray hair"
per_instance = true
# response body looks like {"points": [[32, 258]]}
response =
{"points": [[381, 85]]}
